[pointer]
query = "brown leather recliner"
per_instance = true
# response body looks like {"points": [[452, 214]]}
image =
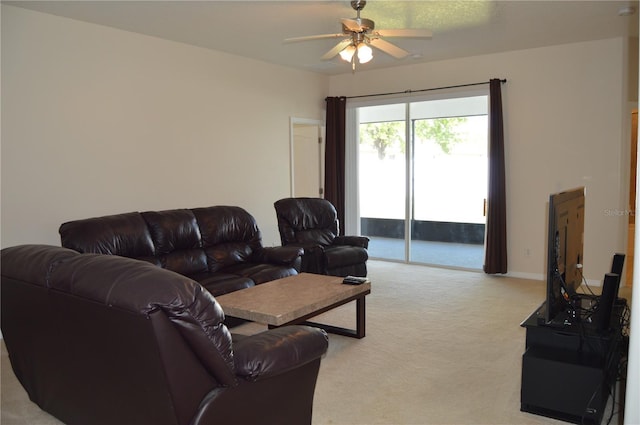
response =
{"points": [[102, 339], [312, 224]]}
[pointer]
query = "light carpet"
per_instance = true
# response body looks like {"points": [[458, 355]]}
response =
{"points": [[442, 347]]}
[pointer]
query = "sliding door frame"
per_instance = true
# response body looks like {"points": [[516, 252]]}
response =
{"points": [[352, 209]]}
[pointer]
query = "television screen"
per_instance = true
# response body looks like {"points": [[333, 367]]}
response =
{"points": [[564, 250]]}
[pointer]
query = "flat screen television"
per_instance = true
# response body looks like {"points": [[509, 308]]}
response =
{"points": [[564, 250]]}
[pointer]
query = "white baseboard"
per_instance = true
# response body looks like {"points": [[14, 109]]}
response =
{"points": [[523, 275]]}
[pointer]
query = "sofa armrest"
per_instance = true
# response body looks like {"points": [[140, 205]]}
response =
{"points": [[285, 255], [361, 241], [278, 351], [313, 260]]}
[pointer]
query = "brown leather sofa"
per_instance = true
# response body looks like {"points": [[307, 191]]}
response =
{"points": [[312, 224], [220, 247], [101, 339]]}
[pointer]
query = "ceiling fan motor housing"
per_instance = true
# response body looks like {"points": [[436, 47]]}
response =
{"points": [[364, 25]]}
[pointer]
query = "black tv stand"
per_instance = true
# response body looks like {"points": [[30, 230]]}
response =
{"points": [[568, 371]]}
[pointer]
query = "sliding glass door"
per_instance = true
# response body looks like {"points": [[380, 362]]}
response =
{"points": [[422, 180], [383, 178]]}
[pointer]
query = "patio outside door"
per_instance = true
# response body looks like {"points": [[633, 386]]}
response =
{"points": [[423, 180]]}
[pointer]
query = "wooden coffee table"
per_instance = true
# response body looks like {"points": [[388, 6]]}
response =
{"points": [[293, 300]]}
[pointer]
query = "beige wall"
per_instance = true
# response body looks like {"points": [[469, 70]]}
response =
{"points": [[98, 121], [566, 114]]}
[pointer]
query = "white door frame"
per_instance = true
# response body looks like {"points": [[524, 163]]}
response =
{"points": [[293, 121]]}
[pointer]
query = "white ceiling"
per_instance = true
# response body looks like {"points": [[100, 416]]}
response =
{"points": [[256, 29]]}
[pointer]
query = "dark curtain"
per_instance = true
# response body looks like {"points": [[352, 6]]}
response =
{"points": [[495, 260], [334, 155]]}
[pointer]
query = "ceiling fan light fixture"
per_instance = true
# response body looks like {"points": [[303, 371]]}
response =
{"points": [[347, 53], [365, 53]]}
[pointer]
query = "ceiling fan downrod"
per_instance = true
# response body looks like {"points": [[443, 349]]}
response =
{"points": [[362, 24], [358, 5]]}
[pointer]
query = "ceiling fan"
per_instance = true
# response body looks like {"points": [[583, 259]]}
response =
{"points": [[359, 35]]}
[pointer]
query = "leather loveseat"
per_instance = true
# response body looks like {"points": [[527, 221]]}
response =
{"points": [[220, 247], [101, 339]]}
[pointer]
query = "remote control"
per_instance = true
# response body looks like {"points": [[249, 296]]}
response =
{"points": [[354, 280]]}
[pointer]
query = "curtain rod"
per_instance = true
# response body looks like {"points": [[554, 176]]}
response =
{"points": [[423, 90]]}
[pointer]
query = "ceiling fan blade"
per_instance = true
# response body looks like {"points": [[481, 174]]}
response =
{"points": [[388, 48], [406, 33], [336, 49], [351, 24], [312, 37]]}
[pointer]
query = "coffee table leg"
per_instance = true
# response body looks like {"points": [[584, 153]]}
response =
{"points": [[360, 318], [359, 332]]}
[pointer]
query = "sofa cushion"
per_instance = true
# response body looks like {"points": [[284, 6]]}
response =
{"points": [[176, 236], [222, 283], [260, 273], [172, 230], [219, 224], [230, 235], [227, 254], [125, 234], [188, 261]]}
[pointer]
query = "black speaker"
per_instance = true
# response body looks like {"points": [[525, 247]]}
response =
{"points": [[616, 267], [602, 315], [617, 264]]}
